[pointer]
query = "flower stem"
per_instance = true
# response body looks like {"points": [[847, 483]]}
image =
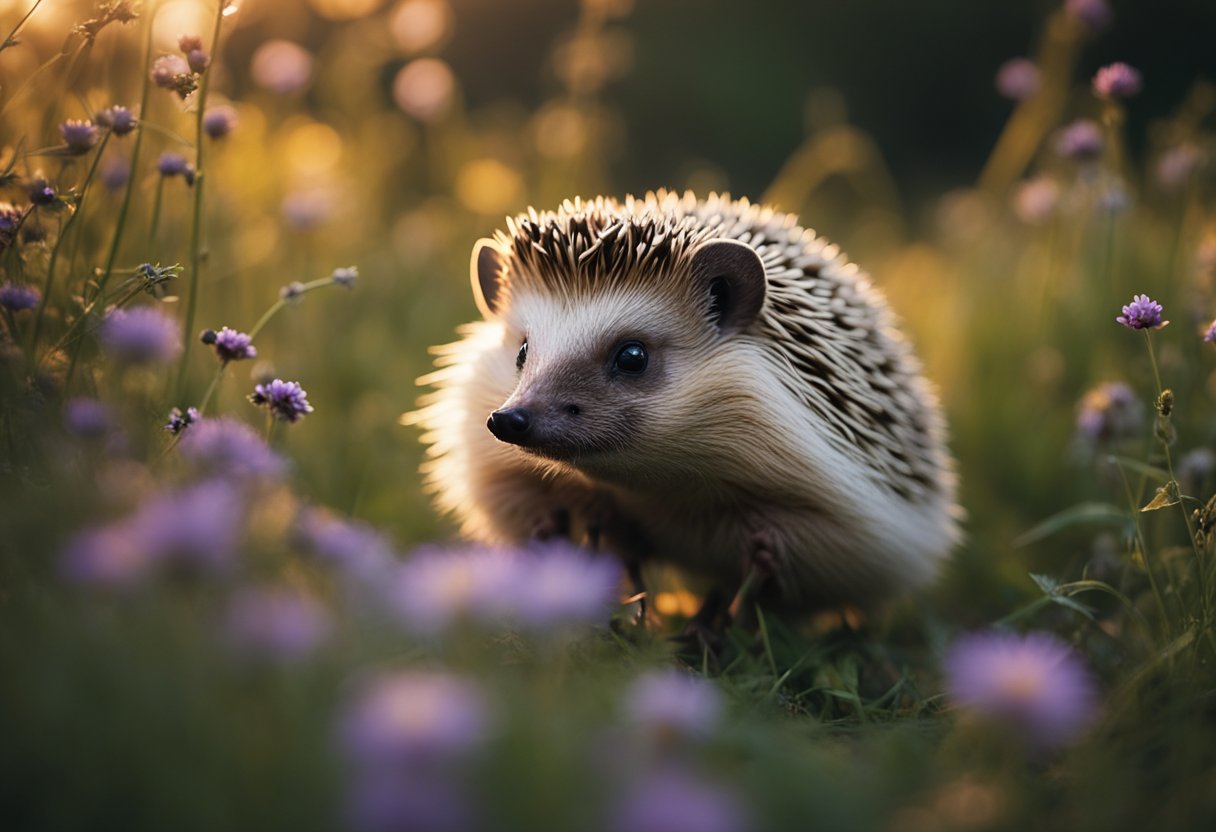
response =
{"points": [[8, 41], [200, 180]]}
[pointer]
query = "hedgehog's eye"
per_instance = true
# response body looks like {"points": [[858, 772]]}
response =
{"points": [[630, 358], [522, 355]]}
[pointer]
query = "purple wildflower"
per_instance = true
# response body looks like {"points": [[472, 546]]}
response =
{"points": [[118, 120], [79, 136], [1081, 140], [189, 43], [1142, 313], [281, 66], [673, 702], [1035, 684], [143, 335], [195, 530], [174, 164], [418, 801], [1109, 412], [672, 800], [86, 418], [1093, 14], [561, 585], [355, 548], [192, 47], [1035, 200], [167, 68], [16, 296], [115, 173], [276, 623], [179, 421], [1209, 336], [285, 400], [307, 208], [219, 121], [229, 448], [345, 276], [1018, 78], [1117, 81], [41, 192], [415, 717], [1177, 164], [230, 345]]}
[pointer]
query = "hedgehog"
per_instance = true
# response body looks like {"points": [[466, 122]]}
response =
{"points": [[698, 382]]}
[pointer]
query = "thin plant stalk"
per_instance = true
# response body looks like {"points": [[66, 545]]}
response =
{"points": [[196, 226], [157, 201], [8, 40]]}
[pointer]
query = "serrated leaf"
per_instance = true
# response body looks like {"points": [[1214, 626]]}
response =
{"points": [[1082, 514]]}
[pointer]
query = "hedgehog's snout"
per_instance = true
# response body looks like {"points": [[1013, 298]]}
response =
{"points": [[511, 424]]}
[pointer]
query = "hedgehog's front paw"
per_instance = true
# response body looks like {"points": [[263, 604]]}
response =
{"points": [[765, 561], [553, 525]]}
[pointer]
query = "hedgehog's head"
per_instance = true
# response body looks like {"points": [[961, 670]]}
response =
{"points": [[617, 367]]}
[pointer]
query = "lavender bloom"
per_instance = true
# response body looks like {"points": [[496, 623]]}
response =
{"points": [[1209, 336], [228, 448], [1109, 412], [1177, 164], [415, 717], [118, 120], [86, 418], [345, 276], [1081, 140], [41, 192], [356, 548], [219, 121], [560, 585], [174, 164], [79, 136], [285, 400], [419, 801], [673, 703], [1018, 78], [1142, 313], [1035, 201], [672, 800], [436, 589], [1093, 14], [1035, 684], [1117, 81], [278, 624], [143, 335], [195, 530], [230, 345], [179, 421], [16, 296]]}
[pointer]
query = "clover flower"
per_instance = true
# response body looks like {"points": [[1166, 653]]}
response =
{"points": [[16, 297], [143, 335], [172, 164], [285, 400], [179, 421], [1109, 412], [80, 136], [219, 121], [1018, 79], [118, 120], [673, 703], [41, 192], [1117, 81], [415, 718], [276, 624], [1142, 313], [86, 418], [674, 800], [1034, 684], [230, 448], [1081, 140], [345, 276], [230, 345]]}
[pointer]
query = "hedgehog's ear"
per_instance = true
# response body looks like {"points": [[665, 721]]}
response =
{"points": [[731, 275], [486, 274]]}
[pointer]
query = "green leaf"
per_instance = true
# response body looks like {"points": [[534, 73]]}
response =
{"points": [[1082, 514]]}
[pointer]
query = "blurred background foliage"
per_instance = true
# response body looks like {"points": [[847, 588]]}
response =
{"points": [[393, 133]]}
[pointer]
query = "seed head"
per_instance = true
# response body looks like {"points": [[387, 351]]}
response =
{"points": [[292, 292], [345, 276]]}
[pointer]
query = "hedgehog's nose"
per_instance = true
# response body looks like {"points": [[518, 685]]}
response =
{"points": [[510, 424]]}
